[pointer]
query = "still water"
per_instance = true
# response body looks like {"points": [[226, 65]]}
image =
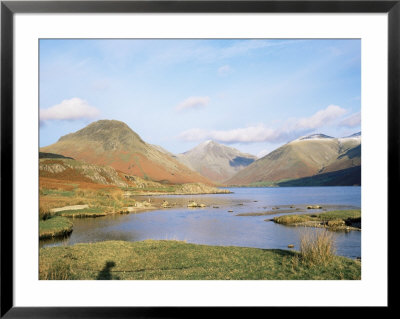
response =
{"points": [[215, 225]]}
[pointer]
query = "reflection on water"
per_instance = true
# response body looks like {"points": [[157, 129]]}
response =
{"points": [[217, 226]]}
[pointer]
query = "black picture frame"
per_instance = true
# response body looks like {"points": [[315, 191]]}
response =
{"points": [[9, 8]]}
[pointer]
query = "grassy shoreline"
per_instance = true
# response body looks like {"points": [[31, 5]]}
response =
{"points": [[54, 227], [176, 260], [94, 203]]}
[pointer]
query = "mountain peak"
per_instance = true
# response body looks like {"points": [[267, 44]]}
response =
{"points": [[315, 136], [355, 135], [215, 161], [209, 142], [206, 145], [105, 125], [111, 134]]}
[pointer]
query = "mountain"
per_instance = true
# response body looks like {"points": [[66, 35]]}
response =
{"points": [[345, 177], [215, 161], [113, 143], [303, 157]]}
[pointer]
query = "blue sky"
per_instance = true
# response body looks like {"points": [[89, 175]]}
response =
{"points": [[254, 95]]}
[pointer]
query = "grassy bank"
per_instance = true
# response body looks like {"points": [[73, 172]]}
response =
{"points": [[83, 213], [54, 227], [176, 260], [335, 220]]}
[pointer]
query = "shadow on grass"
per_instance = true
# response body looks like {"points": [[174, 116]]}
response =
{"points": [[281, 252], [105, 273]]}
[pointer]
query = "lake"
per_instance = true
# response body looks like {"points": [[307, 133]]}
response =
{"points": [[215, 225]]}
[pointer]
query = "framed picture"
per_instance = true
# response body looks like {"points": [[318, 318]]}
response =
{"points": [[196, 154]]}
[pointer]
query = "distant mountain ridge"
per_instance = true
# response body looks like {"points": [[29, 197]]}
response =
{"points": [[304, 157], [114, 143], [216, 161]]}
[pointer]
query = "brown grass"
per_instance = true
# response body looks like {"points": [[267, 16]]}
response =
{"points": [[317, 248], [63, 184], [44, 212], [111, 198], [52, 183]]}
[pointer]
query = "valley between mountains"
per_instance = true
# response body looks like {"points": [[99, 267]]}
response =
{"points": [[107, 170], [124, 159]]}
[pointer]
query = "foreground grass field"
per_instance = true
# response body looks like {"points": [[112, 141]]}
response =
{"points": [[177, 260]]}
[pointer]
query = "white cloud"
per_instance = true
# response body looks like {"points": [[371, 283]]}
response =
{"points": [[293, 128], [351, 121], [224, 70], [72, 109], [193, 102], [321, 118]]}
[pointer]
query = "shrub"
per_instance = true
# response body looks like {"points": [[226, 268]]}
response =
{"points": [[290, 219], [317, 248]]}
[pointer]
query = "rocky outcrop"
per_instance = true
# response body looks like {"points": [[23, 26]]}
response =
{"points": [[194, 204]]}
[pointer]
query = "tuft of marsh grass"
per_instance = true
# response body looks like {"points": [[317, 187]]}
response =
{"points": [[317, 248], [291, 219]]}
